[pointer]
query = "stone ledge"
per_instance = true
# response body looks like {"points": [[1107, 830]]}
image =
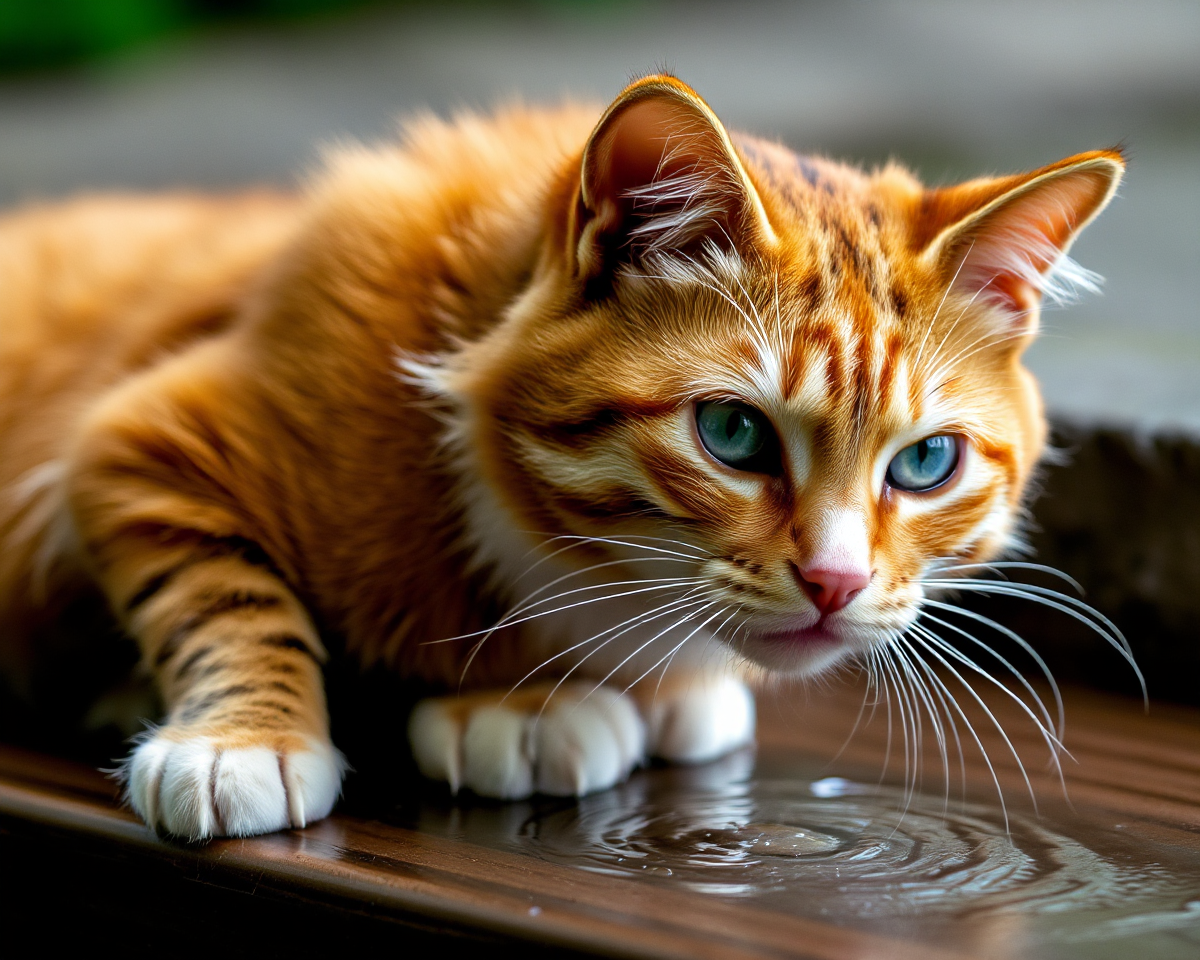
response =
{"points": [[1121, 515]]}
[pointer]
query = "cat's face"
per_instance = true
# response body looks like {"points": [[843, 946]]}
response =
{"points": [[805, 381]]}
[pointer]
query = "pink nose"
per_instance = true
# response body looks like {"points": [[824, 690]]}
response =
{"points": [[830, 590]]}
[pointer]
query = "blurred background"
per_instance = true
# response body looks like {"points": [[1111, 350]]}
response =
{"points": [[217, 94]]}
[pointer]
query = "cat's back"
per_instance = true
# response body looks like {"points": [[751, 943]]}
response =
{"points": [[98, 287]]}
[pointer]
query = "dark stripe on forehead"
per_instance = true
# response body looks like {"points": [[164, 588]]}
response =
{"points": [[887, 367], [864, 382]]}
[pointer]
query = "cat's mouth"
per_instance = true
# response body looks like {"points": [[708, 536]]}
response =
{"points": [[819, 634], [805, 648]]}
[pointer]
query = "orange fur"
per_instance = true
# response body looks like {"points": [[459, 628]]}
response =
{"points": [[264, 422]]}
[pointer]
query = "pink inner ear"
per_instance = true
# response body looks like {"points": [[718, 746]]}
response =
{"points": [[663, 181], [1016, 254], [635, 151]]}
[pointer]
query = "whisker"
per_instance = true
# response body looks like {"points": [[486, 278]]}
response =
{"points": [[1060, 602], [918, 636], [953, 701], [679, 646], [905, 656], [608, 676], [1053, 744], [630, 623], [1013, 565], [619, 542], [526, 602], [1018, 639], [487, 634], [664, 584], [941, 698], [661, 633], [938, 312]]}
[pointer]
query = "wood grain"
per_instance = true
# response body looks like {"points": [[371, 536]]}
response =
{"points": [[356, 873]]}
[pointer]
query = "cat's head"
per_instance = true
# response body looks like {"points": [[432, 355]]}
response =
{"points": [[805, 379]]}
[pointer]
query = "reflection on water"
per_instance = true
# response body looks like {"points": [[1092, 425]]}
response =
{"points": [[859, 855]]}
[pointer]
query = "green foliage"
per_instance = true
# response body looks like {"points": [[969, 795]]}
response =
{"points": [[47, 33]]}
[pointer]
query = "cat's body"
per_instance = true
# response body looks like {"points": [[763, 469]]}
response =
{"points": [[460, 372]]}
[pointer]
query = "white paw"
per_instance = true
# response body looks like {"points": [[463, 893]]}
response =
{"points": [[701, 720], [196, 788], [584, 741]]}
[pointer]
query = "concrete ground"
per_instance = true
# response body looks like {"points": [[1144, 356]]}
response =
{"points": [[954, 89]]}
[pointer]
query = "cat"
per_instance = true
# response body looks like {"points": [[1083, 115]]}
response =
{"points": [[596, 419]]}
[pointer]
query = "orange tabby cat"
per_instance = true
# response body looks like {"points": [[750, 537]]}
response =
{"points": [[691, 407]]}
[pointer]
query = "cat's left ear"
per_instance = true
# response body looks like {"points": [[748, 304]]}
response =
{"points": [[1004, 242], [660, 176]]}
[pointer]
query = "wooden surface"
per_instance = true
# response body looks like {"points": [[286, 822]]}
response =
{"points": [[69, 850]]}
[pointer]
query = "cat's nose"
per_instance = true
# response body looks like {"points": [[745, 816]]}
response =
{"points": [[831, 590]]}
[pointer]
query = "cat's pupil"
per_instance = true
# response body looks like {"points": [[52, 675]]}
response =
{"points": [[924, 465], [737, 436]]}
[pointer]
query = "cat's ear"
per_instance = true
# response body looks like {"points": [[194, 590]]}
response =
{"points": [[660, 176], [1004, 242]]}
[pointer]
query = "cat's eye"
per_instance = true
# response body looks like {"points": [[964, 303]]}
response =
{"points": [[738, 436], [924, 465]]}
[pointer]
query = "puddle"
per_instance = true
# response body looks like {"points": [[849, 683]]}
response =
{"points": [[859, 855]]}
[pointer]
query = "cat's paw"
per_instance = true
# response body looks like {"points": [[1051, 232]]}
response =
{"points": [[207, 786], [586, 739], [698, 719]]}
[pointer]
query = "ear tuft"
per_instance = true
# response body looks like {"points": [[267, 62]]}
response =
{"points": [[660, 177], [1004, 242]]}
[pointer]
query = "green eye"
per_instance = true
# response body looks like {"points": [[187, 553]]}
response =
{"points": [[737, 435], [925, 464]]}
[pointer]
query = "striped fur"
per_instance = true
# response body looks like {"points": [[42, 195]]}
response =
{"points": [[463, 370]]}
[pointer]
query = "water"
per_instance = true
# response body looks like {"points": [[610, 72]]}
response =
{"points": [[856, 854]]}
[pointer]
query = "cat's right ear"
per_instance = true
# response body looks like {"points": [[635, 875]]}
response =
{"points": [[660, 176]]}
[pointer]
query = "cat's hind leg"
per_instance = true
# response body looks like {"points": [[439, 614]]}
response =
{"points": [[566, 741]]}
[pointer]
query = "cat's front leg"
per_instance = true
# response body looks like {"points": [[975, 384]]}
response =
{"points": [[245, 747], [161, 500], [579, 737], [563, 740]]}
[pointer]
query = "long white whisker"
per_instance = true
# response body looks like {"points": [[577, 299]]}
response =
{"points": [[1053, 744], [1012, 565], [631, 623], [938, 312], [695, 613], [941, 698], [918, 636], [905, 655], [619, 542], [664, 584], [668, 656], [1060, 726], [545, 613], [608, 676], [527, 602], [1055, 601], [953, 701], [891, 671]]}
